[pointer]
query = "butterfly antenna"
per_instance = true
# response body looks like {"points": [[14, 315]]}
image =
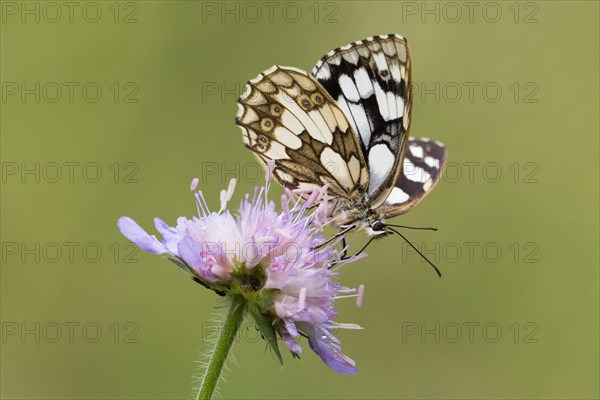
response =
{"points": [[365, 246], [417, 250], [412, 227]]}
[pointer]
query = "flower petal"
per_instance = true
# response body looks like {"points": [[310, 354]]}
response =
{"points": [[132, 231], [289, 341], [337, 362], [190, 252], [163, 228], [170, 236]]}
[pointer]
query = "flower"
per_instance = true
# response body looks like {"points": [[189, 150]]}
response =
{"points": [[277, 260]]}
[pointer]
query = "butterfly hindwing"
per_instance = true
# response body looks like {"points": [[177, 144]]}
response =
{"points": [[422, 170], [287, 116], [370, 81]]}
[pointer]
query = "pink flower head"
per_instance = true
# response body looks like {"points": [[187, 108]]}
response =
{"points": [[277, 260]]}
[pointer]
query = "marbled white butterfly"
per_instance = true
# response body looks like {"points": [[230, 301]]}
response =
{"points": [[345, 125]]}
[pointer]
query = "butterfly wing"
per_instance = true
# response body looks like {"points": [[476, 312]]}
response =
{"points": [[422, 170], [370, 81], [286, 116]]}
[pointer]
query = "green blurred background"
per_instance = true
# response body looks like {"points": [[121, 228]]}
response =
{"points": [[516, 313]]}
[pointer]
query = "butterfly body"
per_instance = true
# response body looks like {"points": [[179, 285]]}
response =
{"points": [[358, 215], [345, 126]]}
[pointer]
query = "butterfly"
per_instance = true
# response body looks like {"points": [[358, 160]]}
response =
{"points": [[346, 126]]}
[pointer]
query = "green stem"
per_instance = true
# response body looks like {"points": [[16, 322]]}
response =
{"points": [[222, 347]]}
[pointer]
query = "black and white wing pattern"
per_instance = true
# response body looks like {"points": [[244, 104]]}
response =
{"points": [[345, 126], [422, 170], [287, 116], [370, 81]]}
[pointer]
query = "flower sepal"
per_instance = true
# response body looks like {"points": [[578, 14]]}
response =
{"points": [[266, 327], [247, 281], [215, 287]]}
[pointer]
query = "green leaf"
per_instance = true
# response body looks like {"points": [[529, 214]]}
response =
{"points": [[266, 329]]}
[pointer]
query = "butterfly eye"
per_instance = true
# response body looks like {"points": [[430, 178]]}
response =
{"points": [[317, 98], [305, 102], [377, 226], [266, 125], [276, 110]]}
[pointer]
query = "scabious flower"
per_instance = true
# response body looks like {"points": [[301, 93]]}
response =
{"points": [[277, 260]]}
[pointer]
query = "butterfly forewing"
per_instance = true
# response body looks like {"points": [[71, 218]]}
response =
{"points": [[422, 169], [287, 116], [370, 81]]}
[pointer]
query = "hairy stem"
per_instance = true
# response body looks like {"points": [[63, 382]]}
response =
{"points": [[222, 347]]}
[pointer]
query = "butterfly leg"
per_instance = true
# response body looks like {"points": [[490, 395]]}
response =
{"points": [[337, 235], [344, 254], [344, 249]]}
